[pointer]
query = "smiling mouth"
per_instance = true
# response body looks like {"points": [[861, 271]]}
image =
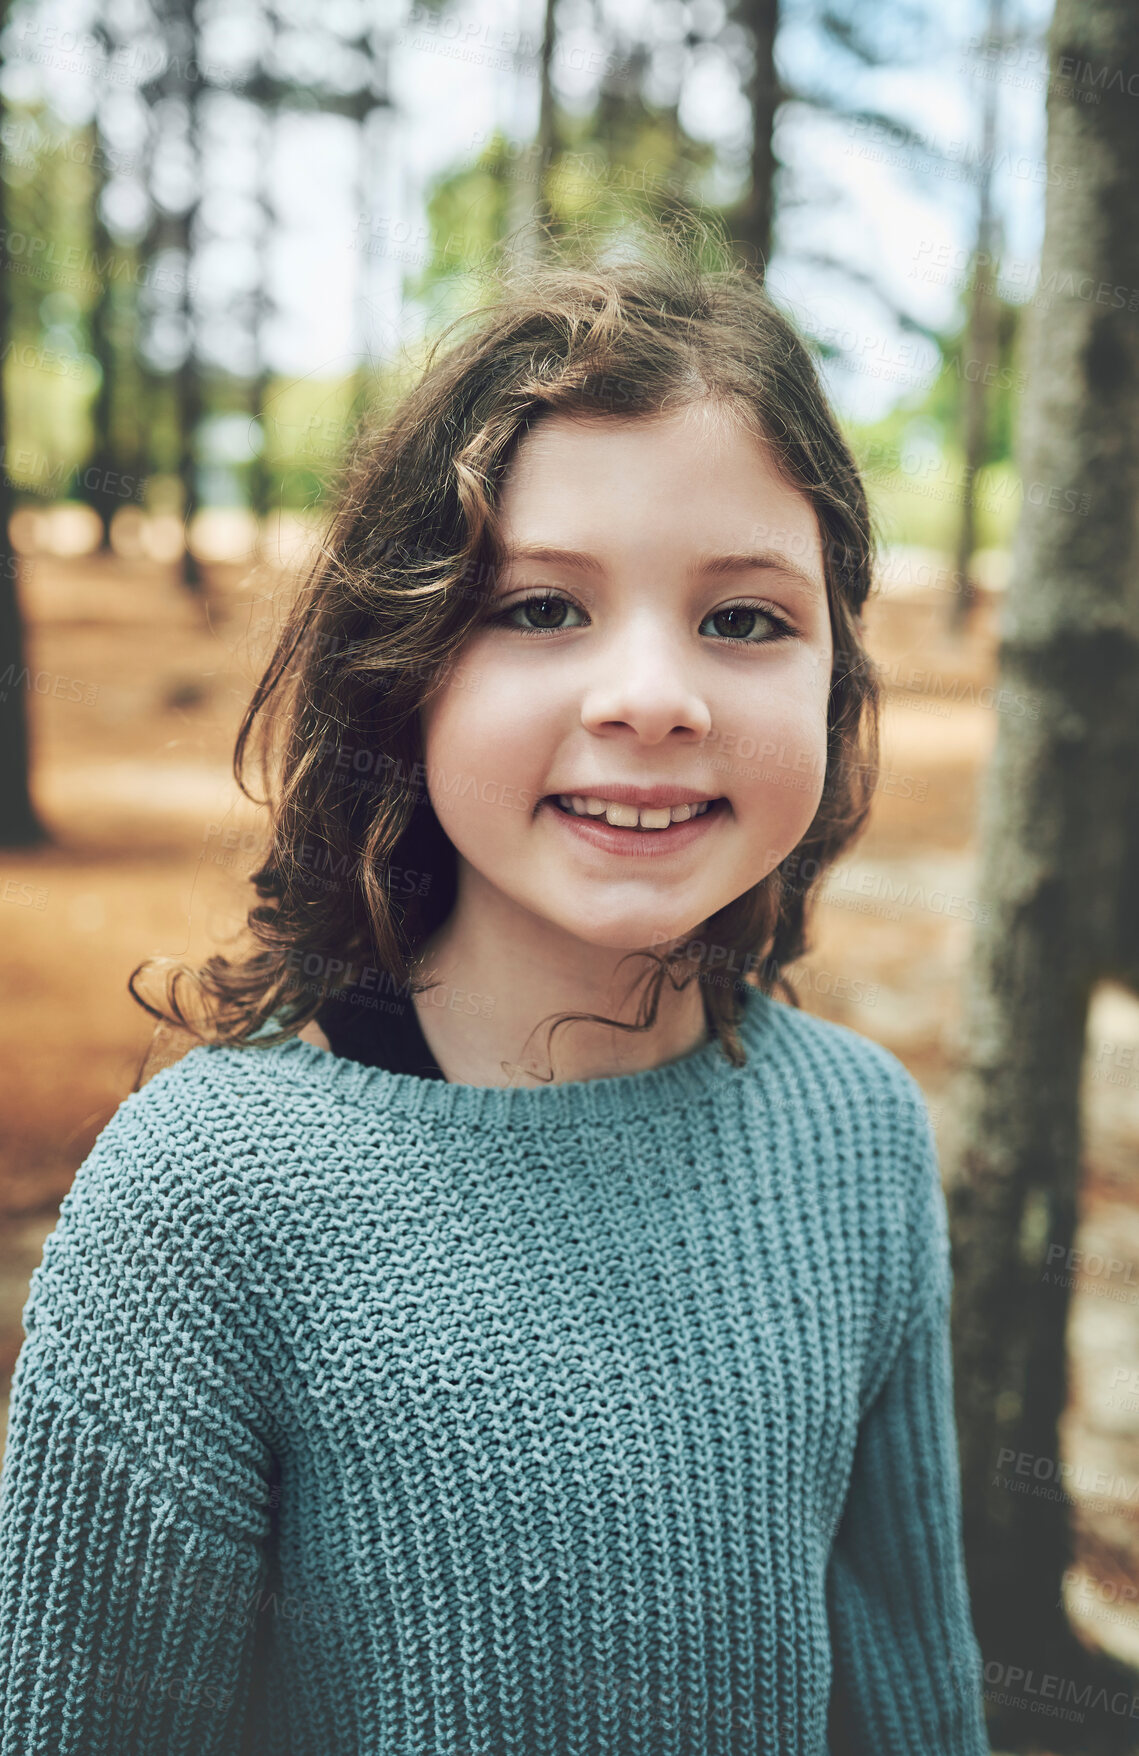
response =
{"points": [[644, 820]]}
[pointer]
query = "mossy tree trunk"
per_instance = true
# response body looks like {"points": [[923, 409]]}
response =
{"points": [[1059, 870]]}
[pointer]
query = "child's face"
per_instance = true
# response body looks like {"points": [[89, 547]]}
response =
{"points": [[637, 686]]}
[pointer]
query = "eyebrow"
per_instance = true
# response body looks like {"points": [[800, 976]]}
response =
{"points": [[769, 560]]}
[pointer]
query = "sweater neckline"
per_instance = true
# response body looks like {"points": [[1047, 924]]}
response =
{"points": [[705, 1068]]}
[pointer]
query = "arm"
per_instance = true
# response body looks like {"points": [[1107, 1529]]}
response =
{"points": [[907, 1670], [132, 1497]]}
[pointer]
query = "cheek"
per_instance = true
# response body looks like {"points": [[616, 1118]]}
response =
{"points": [[776, 730], [772, 762], [486, 725], [484, 754]]}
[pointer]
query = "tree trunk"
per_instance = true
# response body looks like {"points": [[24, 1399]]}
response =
{"points": [[547, 125], [260, 473], [752, 220], [188, 386], [981, 345], [19, 825], [1057, 828], [101, 461], [530, 208], [184, 79]]}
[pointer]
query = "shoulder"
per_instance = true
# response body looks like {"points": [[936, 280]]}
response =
{"points": [[161, 1201], [170, 1043], [873, 1114], [881, 1150], [148, 1316], [185, 1080], [840, 1067], [206, 1145], [167, 1045]]}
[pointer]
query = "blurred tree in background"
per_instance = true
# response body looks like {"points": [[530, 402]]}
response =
{"points": [[19, 824], [1059, 878]]}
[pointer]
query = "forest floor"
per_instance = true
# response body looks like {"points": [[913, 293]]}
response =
{"points": [[137, 691]]}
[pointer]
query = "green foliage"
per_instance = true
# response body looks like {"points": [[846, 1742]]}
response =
{"points": [[627, 166], [641, 174], [913, 459], [1004, 380], [916, 488], [307, 426], [623, 168], [52, 284]]}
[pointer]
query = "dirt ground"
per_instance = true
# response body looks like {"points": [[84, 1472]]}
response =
{"points": [[137, 690]]}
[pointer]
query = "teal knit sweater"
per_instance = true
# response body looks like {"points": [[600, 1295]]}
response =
{"points": [[367, 1415]]}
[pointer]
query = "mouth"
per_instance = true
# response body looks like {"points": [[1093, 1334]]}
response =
{"points": [[649, 818], [626, 829]]}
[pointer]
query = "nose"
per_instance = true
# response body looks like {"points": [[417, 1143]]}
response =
{"points": [[642, 680]]}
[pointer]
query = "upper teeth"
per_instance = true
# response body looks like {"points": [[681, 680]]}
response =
{"points": [[631, 816]]}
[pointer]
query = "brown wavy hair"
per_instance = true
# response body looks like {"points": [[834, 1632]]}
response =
{"points": [[356, 871]]}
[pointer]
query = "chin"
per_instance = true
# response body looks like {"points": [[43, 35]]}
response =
{"points": [[636, 933]]}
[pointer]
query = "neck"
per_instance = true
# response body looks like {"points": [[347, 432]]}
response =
{"points": [[500, 991]]}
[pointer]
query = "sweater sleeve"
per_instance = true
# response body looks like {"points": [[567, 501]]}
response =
{"points": [[134, 1485], [907, 1670]]}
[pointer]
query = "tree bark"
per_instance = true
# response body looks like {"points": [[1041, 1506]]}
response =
{"points": [[101, 461], [181, 78], [19, 824], [981, 346], [188, 381], [531, 213], [260, 474], [1057, 831], [752, 222]]}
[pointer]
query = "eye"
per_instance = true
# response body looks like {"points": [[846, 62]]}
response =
{"points": [[548, 605], [742, 620], [748, 624]]}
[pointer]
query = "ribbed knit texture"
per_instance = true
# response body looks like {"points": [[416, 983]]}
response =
{"points": [[360, 1413]]}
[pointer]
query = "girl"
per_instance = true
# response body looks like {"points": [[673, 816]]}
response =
{"points": [[394, 1382]]}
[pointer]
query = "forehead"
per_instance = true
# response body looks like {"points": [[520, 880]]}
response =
{"points": [[694, 469], [707, 425]]}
